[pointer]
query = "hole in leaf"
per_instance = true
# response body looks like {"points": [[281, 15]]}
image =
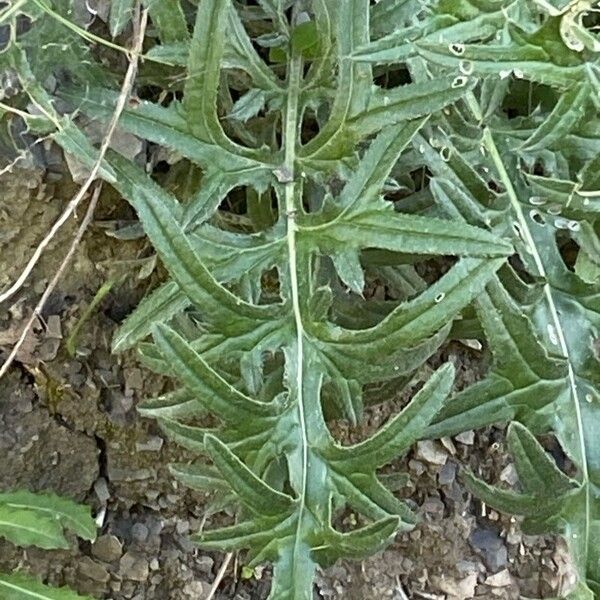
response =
{"points": [[537, 216], [460, 81], [393, 76], [310, 126], [235, 202], [568, 248], [466, 67], [457, 49]]}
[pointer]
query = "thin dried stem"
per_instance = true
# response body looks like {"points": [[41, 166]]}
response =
{"points": [[219, 577], [140, 23], [37, 311], [139, 32]]}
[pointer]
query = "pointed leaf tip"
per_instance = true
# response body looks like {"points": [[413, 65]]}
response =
{"points": [[257, 495]]}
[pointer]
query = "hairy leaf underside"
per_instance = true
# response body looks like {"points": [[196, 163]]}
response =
{"points": [[329, 148]]}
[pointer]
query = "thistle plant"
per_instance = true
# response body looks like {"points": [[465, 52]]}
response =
{"points": [[319, 147]]}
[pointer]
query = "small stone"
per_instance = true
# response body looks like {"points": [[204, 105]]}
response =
{"points": [[39, 286], [430, 452], [185, 543], [182, 527], [447, 474], [407, 565], [154, 564], [509, 474], [416, 467], [91, 569], [433, 506], [449, 445], [139, 532], [152, 444], [134, 379], [491, 545], [469, 567], [196, 589], [134, 567], [101, 489], [458, 588], [48, 349], [152, 494], [514, 537], [53, 328], [107, 548], [205, 564], [117, 474], [501, 579], [466, 437]]}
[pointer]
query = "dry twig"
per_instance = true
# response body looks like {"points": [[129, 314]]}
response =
{"points": [[219, 577], [139, 31], [40, 305]]}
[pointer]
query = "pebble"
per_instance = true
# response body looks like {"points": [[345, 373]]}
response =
{"points": [[152, 444], [449, 445], [491, 545], [117, 474], [205, 564], [416, 467], [91, 569], [447, 474], [466, 437], [433, 506], [53, 328], [509, 474], [468, 567], [134, 567], [101, 489], [107, 548], [514, 537], [48, 349], [185, 543], [196, 589], [458, 588], [134, 379], [431, 452], [139, 532], [501, 579], [182, 527]]}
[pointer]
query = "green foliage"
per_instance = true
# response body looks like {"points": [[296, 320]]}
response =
{"points": [[342, 145], [28, 519], [21, 587]]}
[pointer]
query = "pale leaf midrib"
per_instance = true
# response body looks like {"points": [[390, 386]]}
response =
{"points": [[290, 141], [497, 160]]}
